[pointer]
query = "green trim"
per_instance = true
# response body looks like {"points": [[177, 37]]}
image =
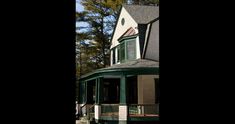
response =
{"points": [[96, 91], [115, 118], [82, 92], [121, 39], [123, 89], [109, 118], [125, 58], [122, 53], [120, 71], [100, 90], [118, 53], [94, 78], [98, 121], [125, 49], [143, 118], [85, 91]]}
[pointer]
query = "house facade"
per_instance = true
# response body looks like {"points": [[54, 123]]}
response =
{"points": [[128, 90]]}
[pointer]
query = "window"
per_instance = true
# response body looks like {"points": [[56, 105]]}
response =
{"points": [[122, 52], [131, 49], [114, 60], [118, 53], [127, 50], [123, 21]]}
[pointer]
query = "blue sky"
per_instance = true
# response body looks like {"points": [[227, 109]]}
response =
{"points": [[79, 7]]}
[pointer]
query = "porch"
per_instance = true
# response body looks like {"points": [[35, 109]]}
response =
{"points": [[121, 93]]}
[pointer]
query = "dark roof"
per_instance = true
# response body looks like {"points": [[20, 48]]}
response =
{"points": [[142, 14], [138, 63]]}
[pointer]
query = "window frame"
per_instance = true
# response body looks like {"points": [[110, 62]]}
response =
{"points": [[124, 41], [113, 55]]}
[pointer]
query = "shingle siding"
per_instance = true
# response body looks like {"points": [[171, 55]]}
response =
{"points": [[152, 48]]}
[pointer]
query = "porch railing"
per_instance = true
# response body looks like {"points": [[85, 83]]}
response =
{"points": [[143, 109], [87, 110], [110, 110]]}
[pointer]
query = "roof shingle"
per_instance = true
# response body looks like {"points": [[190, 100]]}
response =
{"points": [[142, 14]]}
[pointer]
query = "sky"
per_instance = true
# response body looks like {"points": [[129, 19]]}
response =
{"points": [[79, 7]]}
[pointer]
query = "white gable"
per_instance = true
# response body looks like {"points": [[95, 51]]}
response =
{"points": [[121, 29]]}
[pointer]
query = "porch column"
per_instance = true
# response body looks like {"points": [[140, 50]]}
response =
{"points": [[99, 97], [123, 109]]}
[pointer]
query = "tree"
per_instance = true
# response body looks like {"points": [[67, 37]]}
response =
{"points": [[98, 20], [144, 2], [93, 35]]}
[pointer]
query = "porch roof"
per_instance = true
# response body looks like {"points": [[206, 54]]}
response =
{"points": [[135, 67]]}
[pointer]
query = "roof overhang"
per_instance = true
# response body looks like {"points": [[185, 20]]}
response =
{"points": [[136, 67]]}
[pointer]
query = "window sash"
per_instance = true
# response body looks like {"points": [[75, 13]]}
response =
{"points": [[126, 50], [131, 49], [114, 59]]}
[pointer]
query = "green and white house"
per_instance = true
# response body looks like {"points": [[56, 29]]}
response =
{"points": [[128, 90]]}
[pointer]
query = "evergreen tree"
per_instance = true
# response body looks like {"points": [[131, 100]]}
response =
{"points": [[93, 35]]}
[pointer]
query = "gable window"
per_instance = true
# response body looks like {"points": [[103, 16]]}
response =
{"points": [[126, 50]]}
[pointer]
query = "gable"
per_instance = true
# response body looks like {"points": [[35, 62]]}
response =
{"points": [[120, 28]]}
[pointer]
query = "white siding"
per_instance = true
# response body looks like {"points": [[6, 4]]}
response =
{"points": [[137, 48], [121, 29]]}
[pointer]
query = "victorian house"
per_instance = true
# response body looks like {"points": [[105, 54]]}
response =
{"points": [[128, 90]]}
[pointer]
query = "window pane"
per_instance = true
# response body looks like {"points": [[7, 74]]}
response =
{"points": [[131, 50], [118, 53], [114, 56], [122, 51]]}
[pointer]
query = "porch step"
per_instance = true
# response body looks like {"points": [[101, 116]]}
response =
{"points": [[82, 122], [85, 120]]}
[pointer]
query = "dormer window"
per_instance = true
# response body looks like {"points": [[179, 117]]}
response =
{"points": [[128, 45], [126, 50]]}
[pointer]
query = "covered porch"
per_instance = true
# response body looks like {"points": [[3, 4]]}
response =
{"points": [[123, 92]]}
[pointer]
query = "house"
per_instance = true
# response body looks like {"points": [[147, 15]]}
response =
{"points": [[128, 90]]}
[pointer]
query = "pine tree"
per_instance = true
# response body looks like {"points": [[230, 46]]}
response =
{"points": [[98, 20]]}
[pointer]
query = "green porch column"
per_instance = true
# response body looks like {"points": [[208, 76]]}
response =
{"points": [[99, 95], [123, 109], [85, 91], [123, 90], [98, 98], [82, 92]]}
